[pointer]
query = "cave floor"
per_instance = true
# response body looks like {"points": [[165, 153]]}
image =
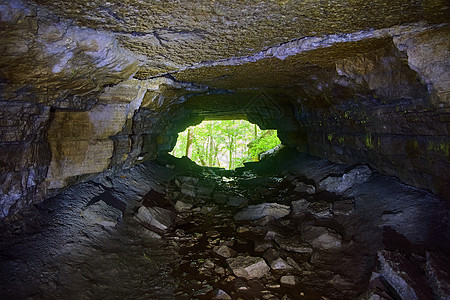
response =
{"points": [[293, 227]]}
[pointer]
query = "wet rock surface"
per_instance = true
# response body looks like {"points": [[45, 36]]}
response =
{"points": [[85, 243]]}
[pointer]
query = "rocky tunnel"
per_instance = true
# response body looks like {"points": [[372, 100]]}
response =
{"points": [[92, 98]]}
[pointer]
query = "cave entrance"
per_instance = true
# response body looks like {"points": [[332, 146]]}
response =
{"points": [[224, 143]]}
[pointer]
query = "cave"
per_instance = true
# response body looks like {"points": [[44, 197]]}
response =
{"points": [[353, 205]]}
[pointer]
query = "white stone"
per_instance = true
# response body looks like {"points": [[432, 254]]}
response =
{"points": [[288, 280], [248, 267]]}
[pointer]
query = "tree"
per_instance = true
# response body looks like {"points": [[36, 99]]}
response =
{"points": [[229, 142]]}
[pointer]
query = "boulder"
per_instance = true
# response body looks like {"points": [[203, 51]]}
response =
{"points": [[101, 213], [322, 238], [155, 217], [255, 212], [404, 277], [248, 267], [340, 184]]}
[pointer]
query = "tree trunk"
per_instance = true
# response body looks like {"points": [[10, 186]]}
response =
{"points": [[189, 144]]}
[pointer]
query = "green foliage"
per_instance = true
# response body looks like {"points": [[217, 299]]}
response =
{"points": [[212, 143]]}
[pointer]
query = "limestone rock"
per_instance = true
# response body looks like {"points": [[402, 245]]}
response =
{"points": [[279, 264], [248, 267], [182, 207], [255, 212], [340, 184], [301, 187], [288, 280], [321, 237], [403, 276], [437, 275], [155, 217], [320, 209], [221, 295], [224, 251], [299, 206], [102, 214]]}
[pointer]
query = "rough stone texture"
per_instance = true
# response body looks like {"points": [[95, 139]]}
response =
{"points": [[248, 267], [339, 184], [321, 237], [122, 78], [224, 251], [403, 276], [101, 213], [288, 280], [157, 217], [438, 275], [24, 156], [255, 212]]}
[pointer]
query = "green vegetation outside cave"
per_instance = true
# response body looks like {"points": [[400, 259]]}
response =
{"points": [[213, 143]]}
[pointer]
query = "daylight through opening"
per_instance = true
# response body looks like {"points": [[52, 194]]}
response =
{"points": [[224, 143]]}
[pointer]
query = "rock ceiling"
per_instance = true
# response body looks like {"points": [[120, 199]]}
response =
{"points": [[175, 35]]}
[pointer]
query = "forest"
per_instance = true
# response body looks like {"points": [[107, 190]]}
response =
{"points": [[224, 143]]}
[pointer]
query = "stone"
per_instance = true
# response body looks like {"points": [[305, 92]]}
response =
{"points": [[189, 189], [209, 209], [300, 206], [255, 212], [288, 280], [301, 187], [261, 246], [271, 254], [101, 213], [155, 217], [293, 245], [221, 295], [340, 184], [224, 251], [291, 262], [279, 265], [182, 206], [437, 274], [343, 207], [322, 238], [237, 202], [271, 235], [320, 209], [248, 267], [403, 276]]}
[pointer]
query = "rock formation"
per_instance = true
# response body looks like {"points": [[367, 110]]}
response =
{"points": [[91, 91]]}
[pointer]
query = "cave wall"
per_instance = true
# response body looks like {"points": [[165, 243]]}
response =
{"points": [[85, 88], [402, 126]]}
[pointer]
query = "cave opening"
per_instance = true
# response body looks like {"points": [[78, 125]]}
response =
{"points": [[225, 143]]}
